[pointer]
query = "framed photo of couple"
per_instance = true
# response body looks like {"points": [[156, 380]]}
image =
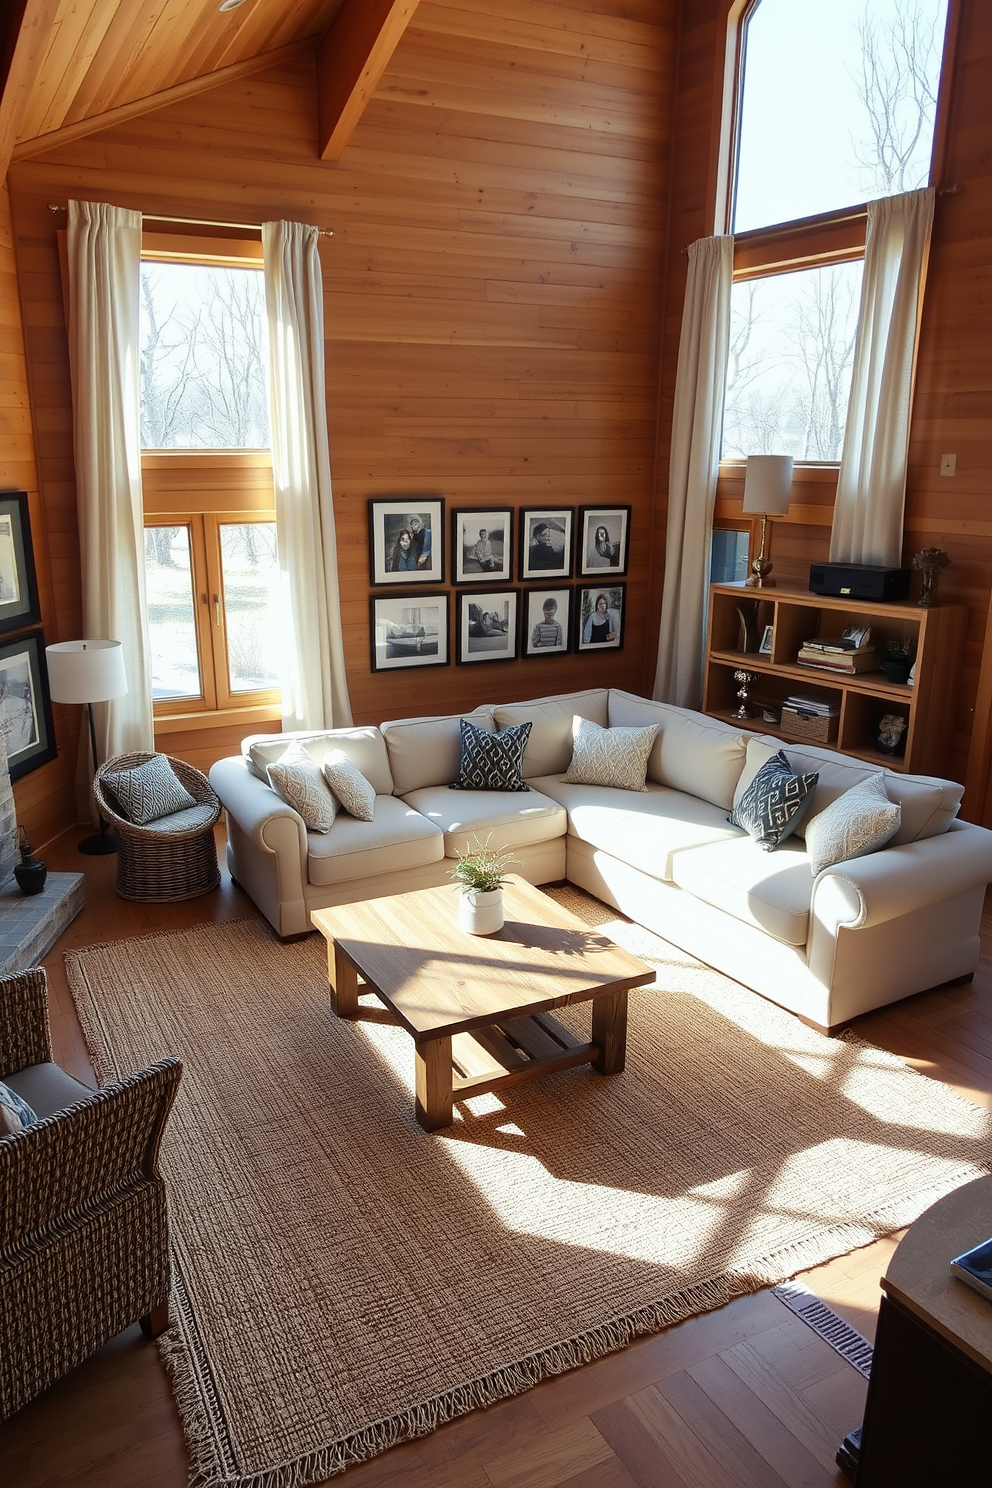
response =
{"points": [[406, 540], [603, 533]]}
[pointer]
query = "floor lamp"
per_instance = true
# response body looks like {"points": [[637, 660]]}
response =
{"points": [[88, 672], [767, 489]]}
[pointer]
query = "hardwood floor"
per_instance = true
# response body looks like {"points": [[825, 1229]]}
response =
{"points": [[743, 1397]]}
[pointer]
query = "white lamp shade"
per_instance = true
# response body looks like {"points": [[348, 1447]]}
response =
{"points": [[86, 671], [767, 485]]}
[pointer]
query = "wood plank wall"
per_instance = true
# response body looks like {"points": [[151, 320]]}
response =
{"points": [[492, 289]]}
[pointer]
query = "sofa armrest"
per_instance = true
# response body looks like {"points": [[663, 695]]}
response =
{"points": [[24, 1032], [260, 813], [900, 880]]}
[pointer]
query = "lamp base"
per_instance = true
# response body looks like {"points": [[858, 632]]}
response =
{"points": [[98, 844]]}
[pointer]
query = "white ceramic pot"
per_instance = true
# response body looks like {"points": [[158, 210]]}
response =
{"points": [[480, 911]]}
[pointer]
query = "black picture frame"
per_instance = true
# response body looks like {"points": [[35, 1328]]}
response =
{"points": [[586, 601], [467, 523], [19, 603], [26, 704], [389, 518], [488, 622], [409, 630], [600, 558], [534, 638], [551, 559]]}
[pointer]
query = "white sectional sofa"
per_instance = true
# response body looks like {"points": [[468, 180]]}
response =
{"points": [[860, 934]]}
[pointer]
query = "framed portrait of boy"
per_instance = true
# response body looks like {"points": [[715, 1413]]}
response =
{"points": [[599, 618], [602, 542], [406, 540], [411, 631], [546, 542], [482, 545], [546, 622], [487, 625]]}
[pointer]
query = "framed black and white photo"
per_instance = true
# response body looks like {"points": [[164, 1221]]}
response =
{"points": [[406, 540], [25, 705], [482, 545], [487, 625], [19, 604], [546, 622], [546, 542], [603, 539], [599, 617], [767, 639], [411, 631]]}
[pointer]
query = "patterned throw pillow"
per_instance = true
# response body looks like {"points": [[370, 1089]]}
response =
{"points": [[148, 791], [774, 803], [609, 756], [353, 791], [859, 822], [15, 1113], [297, 779], [492, 761]]}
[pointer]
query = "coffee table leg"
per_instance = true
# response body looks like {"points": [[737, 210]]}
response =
{"points": [[609, 1032], [344, 984], [434, 1083]]}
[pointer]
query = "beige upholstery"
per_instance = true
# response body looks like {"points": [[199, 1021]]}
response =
{"points": [[397, 837], [365, 748], [771, 890], [549, 747], [514, 817], [427, 751], [691, 753]]}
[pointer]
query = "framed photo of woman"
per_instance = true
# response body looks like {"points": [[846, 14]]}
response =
{"points": [[482, 545], [546, 622], [406, 540], [487, 625], [599, 618], [603, 533], [546, 543]]}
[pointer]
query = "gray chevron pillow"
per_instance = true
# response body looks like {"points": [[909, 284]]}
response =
{"points": [[774, 803], [149, 791]]}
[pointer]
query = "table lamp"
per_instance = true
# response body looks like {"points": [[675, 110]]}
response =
{"points": [[88, 672], [767, 488]]}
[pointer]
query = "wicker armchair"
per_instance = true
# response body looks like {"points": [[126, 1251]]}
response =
{"points": [[84, 1249], [174, 857]]}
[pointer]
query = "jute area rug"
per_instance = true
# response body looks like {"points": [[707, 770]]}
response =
{"points": [[344, 1281]]}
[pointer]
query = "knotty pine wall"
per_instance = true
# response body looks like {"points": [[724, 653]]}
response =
{"points": [[493, 289]]}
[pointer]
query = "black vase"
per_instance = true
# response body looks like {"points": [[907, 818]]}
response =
{"points": [[896, 668], [30, 874]]}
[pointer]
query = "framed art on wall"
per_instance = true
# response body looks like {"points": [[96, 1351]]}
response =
{"points": [[409, 632], [25, 705], [546, 542], [406, 540], [18, 584], [599, 617], [487, 626], [603, 539], [546, 622], [482, 545]]}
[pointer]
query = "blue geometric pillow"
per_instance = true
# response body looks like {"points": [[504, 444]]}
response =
{"points": [[492, 761], [15, 1113], [774, 803]]}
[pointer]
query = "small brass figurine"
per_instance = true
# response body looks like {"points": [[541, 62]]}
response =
{"points": [[744, 680], [929, 563]]}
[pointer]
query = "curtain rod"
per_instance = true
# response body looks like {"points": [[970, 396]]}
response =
{"points": [[324, 232]]}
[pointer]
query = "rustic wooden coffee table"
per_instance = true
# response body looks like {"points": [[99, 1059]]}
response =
{"points": [[478, 1006]]}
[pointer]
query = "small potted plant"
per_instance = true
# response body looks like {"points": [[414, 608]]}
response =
{"points": [[481, 872], [898, 660]]}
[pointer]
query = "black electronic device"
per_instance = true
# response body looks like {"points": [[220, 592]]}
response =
{"points": [[859, 581]]}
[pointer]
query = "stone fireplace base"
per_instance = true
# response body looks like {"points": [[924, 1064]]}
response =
{"points": [[31, 924]]}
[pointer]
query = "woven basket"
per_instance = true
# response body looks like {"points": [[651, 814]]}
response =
{"points": [[156, 866], [821, 728]]}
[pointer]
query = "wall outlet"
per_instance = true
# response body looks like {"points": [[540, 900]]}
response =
{"points": [[948, 464]]}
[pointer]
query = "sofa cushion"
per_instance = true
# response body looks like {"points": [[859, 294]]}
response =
{"points": [[929, 804], [491, 761], [691, 753], [859, 822], [426, 751], [549, 747], [645, 830], [47, 1088], [609, 756], [463, 816], [773, 804], [772, 891], [298, 781], [397, 837], [364, 747]]}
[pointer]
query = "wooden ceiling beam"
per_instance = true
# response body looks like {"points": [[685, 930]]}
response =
{"points": [[139, 106], [26, 57], [350, 61]]}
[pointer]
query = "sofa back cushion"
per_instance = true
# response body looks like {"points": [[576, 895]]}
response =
{"points": [[929, 804], [692, 753], [426, 751], [364, 747], [549, 748]]}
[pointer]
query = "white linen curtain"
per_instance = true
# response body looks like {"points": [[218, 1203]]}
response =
{"points": [[697, 428], [104, 250], [314, 684], [871, 485]]}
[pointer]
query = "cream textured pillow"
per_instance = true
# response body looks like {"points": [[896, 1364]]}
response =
{"points": [[299, 782], [353, 791], [860, 821], [609, 756]]}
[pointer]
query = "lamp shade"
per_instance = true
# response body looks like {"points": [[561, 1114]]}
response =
{"points": [[86, 671], [767, 485]]}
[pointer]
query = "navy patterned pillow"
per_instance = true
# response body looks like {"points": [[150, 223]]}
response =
{"points": [[492, 761], [774, 803]]}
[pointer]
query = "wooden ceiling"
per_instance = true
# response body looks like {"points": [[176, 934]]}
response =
{"points": [[71, 67]]}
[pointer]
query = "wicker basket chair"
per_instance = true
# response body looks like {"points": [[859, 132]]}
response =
{"points": [[174, 857]]}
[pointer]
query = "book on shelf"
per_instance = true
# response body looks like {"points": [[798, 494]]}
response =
{"points": [[854, 638], [975, 1268], [819, 706], [848, 661]]}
